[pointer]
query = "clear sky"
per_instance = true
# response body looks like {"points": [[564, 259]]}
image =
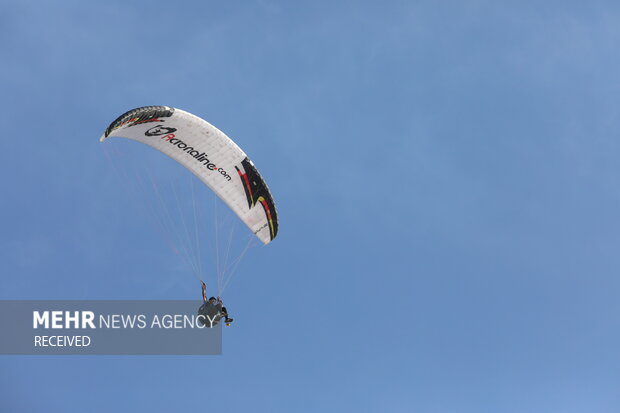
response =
{"points": [[446, 175]]}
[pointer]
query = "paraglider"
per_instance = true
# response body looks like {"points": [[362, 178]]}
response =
{"points": [[213, 158], [212, 310]]}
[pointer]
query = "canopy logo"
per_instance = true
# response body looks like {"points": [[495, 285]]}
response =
{"points": [[200, 157], [159, 130]]}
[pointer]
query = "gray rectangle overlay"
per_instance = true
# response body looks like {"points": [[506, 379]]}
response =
{"points": [[112, 327]]}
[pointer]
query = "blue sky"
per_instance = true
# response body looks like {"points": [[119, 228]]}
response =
{"points": [[446, 175]]}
